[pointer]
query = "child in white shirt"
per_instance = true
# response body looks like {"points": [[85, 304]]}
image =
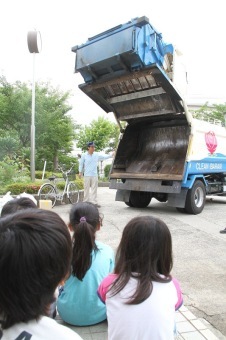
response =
{"points": [[141, 296]]}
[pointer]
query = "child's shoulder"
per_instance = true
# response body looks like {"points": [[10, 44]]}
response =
{"points": [[43, 328], [108, 280], [175, 282], [61, 330], [103, 246]]}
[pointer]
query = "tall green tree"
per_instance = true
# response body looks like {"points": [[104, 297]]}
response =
{"points": [[15, 104], [54, 127], [103, 132]]}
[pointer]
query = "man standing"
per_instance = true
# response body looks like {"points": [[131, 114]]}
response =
{"points": [[88, 165]]}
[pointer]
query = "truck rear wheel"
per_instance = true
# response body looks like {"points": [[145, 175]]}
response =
{"points": [[182, 210], [129, 204], [140, 199], [196, 198]]}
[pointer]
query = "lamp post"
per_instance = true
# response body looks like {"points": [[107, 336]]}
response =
{"points": [[34, 45]]}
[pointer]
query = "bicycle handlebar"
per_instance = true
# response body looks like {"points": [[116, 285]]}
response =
{"points": [[65, 172]]}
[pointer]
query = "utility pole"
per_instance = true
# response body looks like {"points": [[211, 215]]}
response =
{"points": [[34, 45]]}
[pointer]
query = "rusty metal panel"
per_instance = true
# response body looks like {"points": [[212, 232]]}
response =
{"points": [[144, 93], [146, 185], [152, 150]]}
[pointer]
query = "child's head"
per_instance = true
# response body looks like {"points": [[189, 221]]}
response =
{"points": [[35, 255], [87, 210], [17, 204], [145, 250], [84, 222], [146, 247]]}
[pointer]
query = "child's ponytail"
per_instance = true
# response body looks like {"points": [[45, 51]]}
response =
{"points": [[84, 219]]}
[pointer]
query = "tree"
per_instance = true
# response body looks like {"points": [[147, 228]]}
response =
{"points": [[54, 127], [15, 103], [214, 113], [103, 132], [9, 146]]}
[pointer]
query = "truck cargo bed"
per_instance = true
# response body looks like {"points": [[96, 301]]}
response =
{"points": [[152, 150]]}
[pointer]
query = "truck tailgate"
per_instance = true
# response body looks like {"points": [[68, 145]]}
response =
{"points": [[139, 94]]}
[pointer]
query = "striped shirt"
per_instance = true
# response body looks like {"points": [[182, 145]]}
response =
{"points": [[88, 163]]}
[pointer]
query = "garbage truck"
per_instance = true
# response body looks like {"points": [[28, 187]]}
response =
{"points": [[163, 152]]}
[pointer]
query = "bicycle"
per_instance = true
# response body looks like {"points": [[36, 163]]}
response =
{"points": [[50, 191]]}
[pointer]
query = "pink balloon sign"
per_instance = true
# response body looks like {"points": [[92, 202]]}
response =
{"points": [[211, 141]]}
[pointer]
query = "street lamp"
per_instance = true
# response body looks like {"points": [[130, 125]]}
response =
{"points": [[34, 45]]}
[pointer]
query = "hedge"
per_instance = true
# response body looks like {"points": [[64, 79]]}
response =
{"points": [[19, 188], [32, 188]]}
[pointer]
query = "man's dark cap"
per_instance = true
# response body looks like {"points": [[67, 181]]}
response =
{"points": [[90, 144]]}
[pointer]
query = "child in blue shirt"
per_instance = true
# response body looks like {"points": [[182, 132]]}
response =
{"points": [[78, 303]]}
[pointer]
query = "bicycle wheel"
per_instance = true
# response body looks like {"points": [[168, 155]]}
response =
{"points": [[48, 192], [72, 193]]}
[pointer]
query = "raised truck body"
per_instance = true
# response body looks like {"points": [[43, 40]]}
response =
{"points": [[163, 152]]}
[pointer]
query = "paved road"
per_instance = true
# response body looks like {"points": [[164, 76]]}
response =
{"points": [[199, 250]]}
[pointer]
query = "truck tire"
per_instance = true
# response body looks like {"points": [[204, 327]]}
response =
{"points": [[182, 210], [129, 204], [140, 199], [196, 198]]}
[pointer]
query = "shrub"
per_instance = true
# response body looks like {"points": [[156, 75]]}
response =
{"points": [[38, 174], [7, 171], [19, 188], [11, 171], [107, 169], [33, 188], [78, 181]]}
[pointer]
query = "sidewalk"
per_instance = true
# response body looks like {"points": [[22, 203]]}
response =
{"points": [[188, 326]]}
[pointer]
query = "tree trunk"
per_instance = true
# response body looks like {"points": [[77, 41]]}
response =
{"points": [[55, 162]]}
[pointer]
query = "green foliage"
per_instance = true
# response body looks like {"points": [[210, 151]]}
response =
{"points": [[78, 181], [214, 113], [8, 146], [7, 171], [107, 169], [13, 170], [68, 161], [19, 188], [15, 104], [38, 174], [60, 185], [33, 188], [54, 127], [103, 132]]}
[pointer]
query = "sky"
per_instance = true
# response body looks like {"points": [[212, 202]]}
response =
{"points": [[196, 27]]}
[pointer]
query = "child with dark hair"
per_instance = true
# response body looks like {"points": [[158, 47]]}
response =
{"points": [[35, 256], [141, 296], [78, 303], [21, 203], [17, 204]]}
